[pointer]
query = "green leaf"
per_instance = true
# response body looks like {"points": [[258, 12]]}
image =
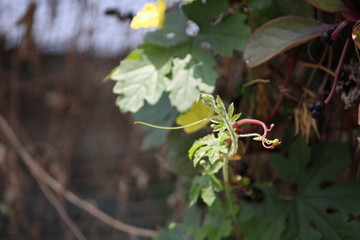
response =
{"points": [[209, 146], [305, 213], [262, 11], [173, 32], [295, 8], [278, 36], [291, 168], [186, 83], [202, 186], [231, 33], [141, 77], [217, 224], [328, 5], [159, 114], [266, 220], [177, 155], [204, 13], [208, 195], [190, 222]]}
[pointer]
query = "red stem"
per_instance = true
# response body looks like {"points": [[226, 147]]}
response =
{"points": [[339, 28], [338, 71]]}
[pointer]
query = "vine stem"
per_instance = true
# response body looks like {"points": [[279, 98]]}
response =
{"points": [[225, 170], [338, 71]]}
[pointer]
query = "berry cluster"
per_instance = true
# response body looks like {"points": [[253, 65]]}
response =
{"points": [[244, 189], [253, 194], [325, 37], [316, 109]]}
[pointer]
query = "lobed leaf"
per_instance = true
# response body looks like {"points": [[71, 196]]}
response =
{"points": [[140, 78], [186, 85], [305, 214]]}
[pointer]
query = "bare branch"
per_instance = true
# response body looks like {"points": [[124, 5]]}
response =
{"points": [[44, 177], [60, 210]]}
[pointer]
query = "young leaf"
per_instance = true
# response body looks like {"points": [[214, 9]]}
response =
{"points": [[208, 195], [279, 35], [231, 110], [210, 147]]}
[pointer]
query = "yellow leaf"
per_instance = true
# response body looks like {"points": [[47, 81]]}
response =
{"points": [[152, 15], [197, 112]]}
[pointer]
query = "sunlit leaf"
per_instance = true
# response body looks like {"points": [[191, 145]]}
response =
{"points": [[187, 83], [140, 77], [278, 36], [197, 112]]}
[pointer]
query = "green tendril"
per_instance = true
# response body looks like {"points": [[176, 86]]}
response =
{"points": [[171, 128], [255, 81]]}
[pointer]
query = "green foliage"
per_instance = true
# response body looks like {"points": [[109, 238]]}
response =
{"points": [[161, 114], [173, 61], [303, 197], [209, 146], [313, 211], [328, 5], [262, 11], [278, 36], [181, 231], [215, 226], [205, 186], [295, 8], [147, 63], [187, 83], [177, 155]]}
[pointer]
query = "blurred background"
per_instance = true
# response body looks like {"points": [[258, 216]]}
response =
{"points": [[54, 55]]}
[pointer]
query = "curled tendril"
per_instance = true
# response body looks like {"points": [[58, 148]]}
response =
{"points": [[266, 143]]}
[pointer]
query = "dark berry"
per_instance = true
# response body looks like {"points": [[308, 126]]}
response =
{"points": [[331, 29], [311, 106], [244, 196], [319, 106], [254, 194], [315, 114], [325, 38]]}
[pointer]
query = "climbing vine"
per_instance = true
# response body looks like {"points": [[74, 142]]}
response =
{"points": [[292, 63]]}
